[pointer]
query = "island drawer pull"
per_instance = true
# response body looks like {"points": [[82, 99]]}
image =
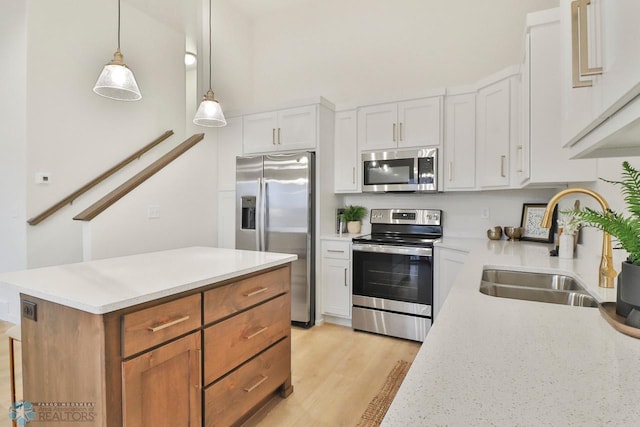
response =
{"points": [[256, 385], [256, 333], [255, 291], [166, 325], [335, 251]]}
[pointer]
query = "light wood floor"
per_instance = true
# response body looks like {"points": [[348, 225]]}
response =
{"points": [[336, 372]]}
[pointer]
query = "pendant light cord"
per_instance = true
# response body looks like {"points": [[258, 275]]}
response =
{"points": [[210, 42], [118, 24]]}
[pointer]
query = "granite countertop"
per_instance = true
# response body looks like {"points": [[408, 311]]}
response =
{"points": [[111, 284], [499, 361]]}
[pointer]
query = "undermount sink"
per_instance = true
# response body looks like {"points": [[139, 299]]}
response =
{"points": [[542, 287]]}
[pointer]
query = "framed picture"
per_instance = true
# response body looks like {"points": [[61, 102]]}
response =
{"points": [[532, 214]]}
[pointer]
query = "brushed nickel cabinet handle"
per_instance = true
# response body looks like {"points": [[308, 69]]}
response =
{"points": [[256, 385], [335, 251], [353, 175], [279, 140], [273, 136], [585, 70], [394, 132], [255, 291], [167, 324], [345, 276], [502, 159], [519, 148], [256, 333], [450, 171], [400, 132]]}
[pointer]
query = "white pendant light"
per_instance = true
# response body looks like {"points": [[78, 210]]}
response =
{"points": [[209, 112], [116, 80]]}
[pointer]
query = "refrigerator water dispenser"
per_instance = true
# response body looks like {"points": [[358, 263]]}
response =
{"points": [[248, 212]]}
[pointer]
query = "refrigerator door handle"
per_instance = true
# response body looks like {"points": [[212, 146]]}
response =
{"points": [[263, 214], [259, 215]]}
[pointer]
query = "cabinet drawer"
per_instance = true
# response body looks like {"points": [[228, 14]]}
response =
{"points": [[336, 250], [152, 326], [226, 300], [233, 341], [229, 399]]}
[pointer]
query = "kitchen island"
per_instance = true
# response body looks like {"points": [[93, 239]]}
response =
{"points": [[194, 336], [499, 361]]}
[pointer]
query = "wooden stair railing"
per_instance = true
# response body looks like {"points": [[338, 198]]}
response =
{"points": [[80, 191], [108, 200]]}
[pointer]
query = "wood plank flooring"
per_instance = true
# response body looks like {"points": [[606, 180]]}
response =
{"points": [[336, 372]]}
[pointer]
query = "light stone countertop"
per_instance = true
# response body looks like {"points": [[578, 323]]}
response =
{"points": [[506, 362], [111, 284]]}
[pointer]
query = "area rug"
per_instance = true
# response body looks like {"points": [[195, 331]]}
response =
{"points": [[379, 405]]}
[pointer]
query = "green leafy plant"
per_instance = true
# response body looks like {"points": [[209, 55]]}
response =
{"points": [[625, 229], [353, 213]]}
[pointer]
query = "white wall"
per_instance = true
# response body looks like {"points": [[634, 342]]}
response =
{"points": [[347, 50], [13, 66]]}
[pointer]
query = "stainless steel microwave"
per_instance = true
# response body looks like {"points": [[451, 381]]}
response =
{"points": [[407, 170]]}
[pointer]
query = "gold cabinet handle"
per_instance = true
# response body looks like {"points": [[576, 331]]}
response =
{"points": [[279, 140], [394, 132], [579, 45], [256, 333], [400, 132], [256, 385], [273, 136], [167, 324], [255, 291], [502, 160]]}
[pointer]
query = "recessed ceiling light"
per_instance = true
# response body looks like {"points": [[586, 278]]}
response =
{"points": [[190, 58]]}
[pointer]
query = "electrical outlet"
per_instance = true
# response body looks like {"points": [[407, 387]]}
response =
{"points": [[43, 178], [484, 213], [153, 212], [30, 310]]}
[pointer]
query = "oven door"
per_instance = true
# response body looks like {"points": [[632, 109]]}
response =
{"points": [[395, 273]]}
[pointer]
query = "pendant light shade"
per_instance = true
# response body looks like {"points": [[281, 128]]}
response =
{"points": [[116, 80], [209, 112]]}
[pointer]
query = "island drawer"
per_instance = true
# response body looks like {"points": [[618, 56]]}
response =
{"points": [[229, 399], [233, 341], [237, 296], [152, 326]]}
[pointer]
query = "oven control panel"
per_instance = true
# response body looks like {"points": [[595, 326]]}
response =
{"points": [[406, 216]]}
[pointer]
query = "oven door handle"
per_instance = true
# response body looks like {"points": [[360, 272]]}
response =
{"points": [[389, 249]]}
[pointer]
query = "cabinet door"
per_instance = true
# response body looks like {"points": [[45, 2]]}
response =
{"points": [[419, 122], [448, 263], [494, 134], [229, 146], [345, 153], [164, 384], [296, 128], [260, 133], [460, 144], [336, 282], [377, 127]]}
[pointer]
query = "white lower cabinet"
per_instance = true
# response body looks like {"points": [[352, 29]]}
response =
{"points": [[447, 265], [336, 278]]}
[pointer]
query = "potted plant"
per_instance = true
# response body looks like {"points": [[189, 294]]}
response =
{"points": [[626, 230], [353, 216]]}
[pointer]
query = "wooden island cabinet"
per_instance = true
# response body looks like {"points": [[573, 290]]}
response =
{"points": [[210, 356]]}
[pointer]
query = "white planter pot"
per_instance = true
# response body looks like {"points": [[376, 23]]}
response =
{"points": [[566, 246]]}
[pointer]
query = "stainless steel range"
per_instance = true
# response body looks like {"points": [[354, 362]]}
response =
{"points": [[393, 273]]}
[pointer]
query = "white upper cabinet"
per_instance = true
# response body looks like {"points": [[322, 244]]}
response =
{"points": [[346, 163], [600, 77], [415, 123], [539, 157], [460, 142], [494, 118], [283, 130]]}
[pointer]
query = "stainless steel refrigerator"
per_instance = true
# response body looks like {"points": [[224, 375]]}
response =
{"points": [[275, 213]]}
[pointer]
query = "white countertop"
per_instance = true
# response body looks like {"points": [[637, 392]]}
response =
{"points": [[505, 362], [111, 284]]}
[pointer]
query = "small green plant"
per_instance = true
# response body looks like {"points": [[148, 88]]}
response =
{"points": [[625, 229], [353, 213]]}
